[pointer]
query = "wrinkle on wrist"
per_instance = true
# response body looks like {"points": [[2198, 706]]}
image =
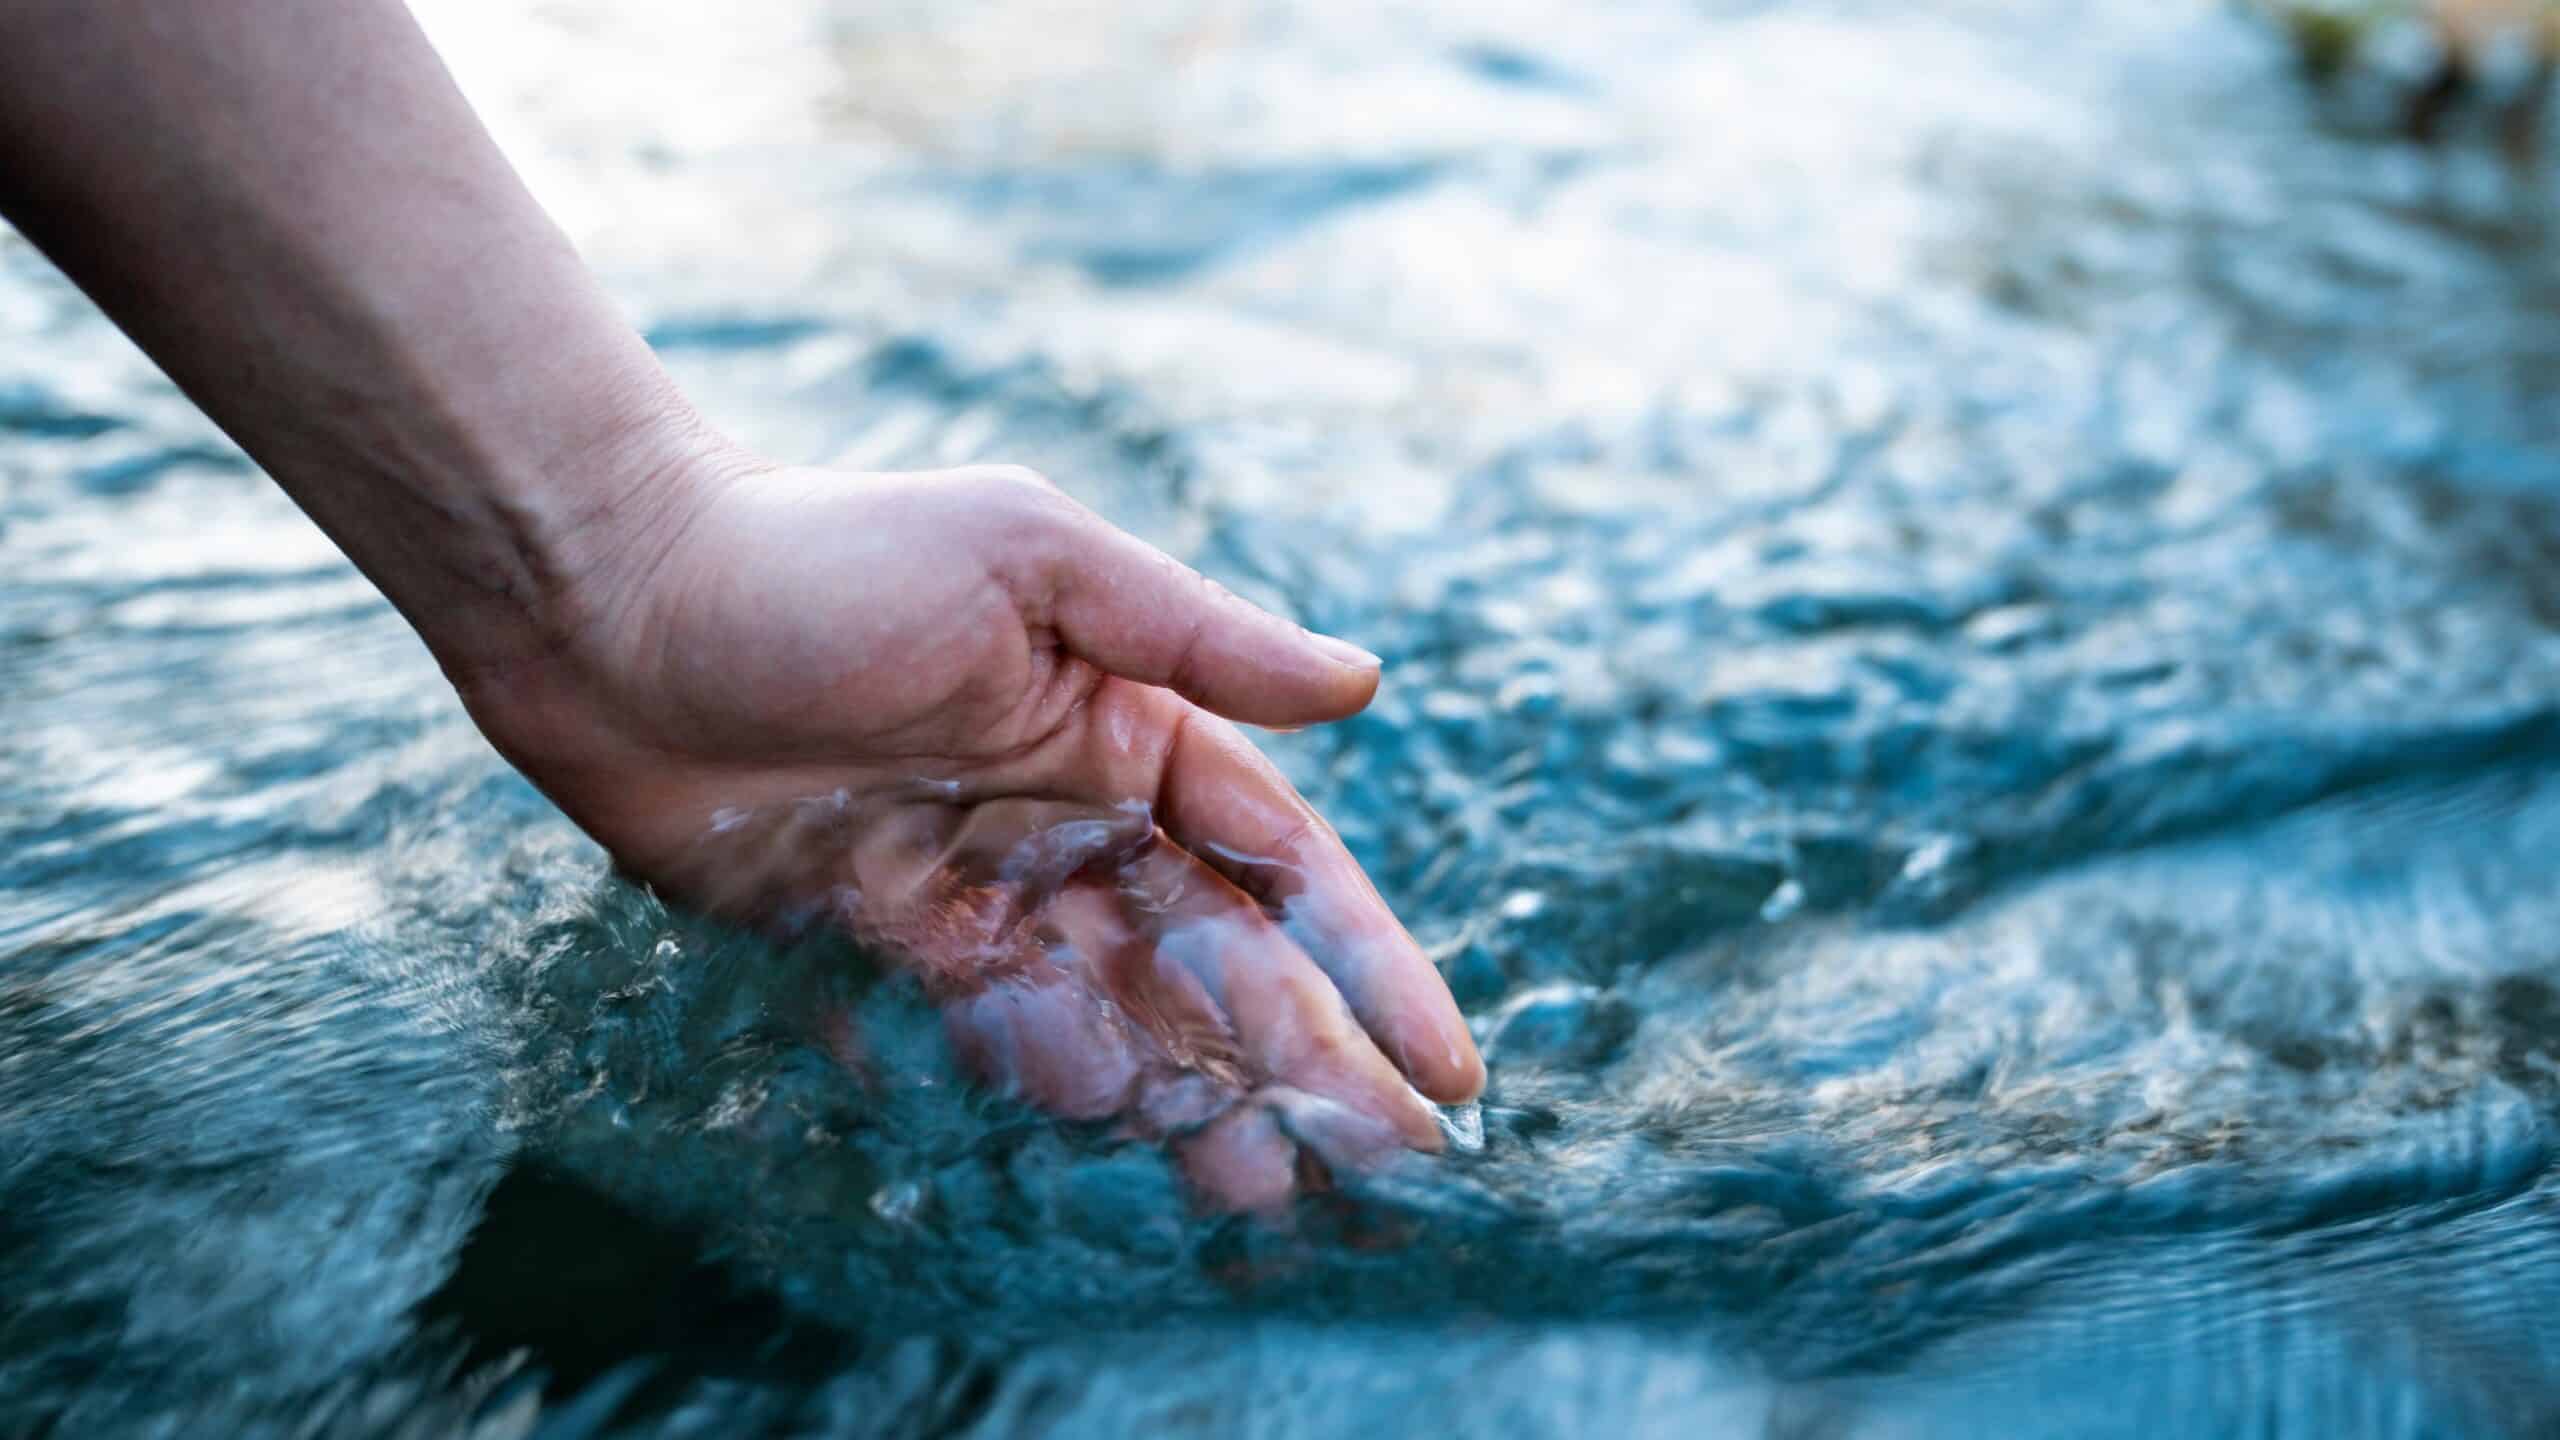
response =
{"points": [[566, 546]]}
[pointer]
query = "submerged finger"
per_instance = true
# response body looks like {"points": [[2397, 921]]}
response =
{"points": [[1047, 1043], [1241, 1161], [1282, 1142], [1222, 799], [1042, 1030], [1290, 1025]]}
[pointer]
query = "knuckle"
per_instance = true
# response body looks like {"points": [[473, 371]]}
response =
{"points": [[1324, 1048], [1034, 527], [1183, 663], [1034, 506], [1016, 477]]}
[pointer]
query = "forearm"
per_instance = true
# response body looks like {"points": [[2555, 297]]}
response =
{"points": [[288, 204]]}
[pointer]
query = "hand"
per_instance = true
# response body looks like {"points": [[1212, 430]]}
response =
{"points": [[961, 716], [956, 714]]}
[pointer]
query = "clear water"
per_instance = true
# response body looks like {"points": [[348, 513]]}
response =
{"points": [[1973, 601]]}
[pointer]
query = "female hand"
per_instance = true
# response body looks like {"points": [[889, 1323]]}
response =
{"points": [[956, 714], [964, 718]]}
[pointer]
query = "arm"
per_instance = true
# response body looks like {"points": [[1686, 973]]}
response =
{"points": [[954, 714], [289, 206]]}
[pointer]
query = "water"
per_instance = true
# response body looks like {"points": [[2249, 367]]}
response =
{"points": [[1972, 596]]}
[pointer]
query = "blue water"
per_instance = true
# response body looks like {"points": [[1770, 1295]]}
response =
{"points": [[1972, 598]]}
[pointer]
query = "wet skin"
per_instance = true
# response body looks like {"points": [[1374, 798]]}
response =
{"points": [[962, 718], [686, 647]]}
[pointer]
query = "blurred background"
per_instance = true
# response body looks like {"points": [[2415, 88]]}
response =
{"points": [[1972, 602]]}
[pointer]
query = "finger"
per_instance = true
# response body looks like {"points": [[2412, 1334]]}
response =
{"points": [[1042, 1037], [1261, 1154], [1289, 1023], [1131, 610], [1222, 799], [982, 907], [946, 884], [1196, 1061], [1241, 1161], [1346, 1140]]}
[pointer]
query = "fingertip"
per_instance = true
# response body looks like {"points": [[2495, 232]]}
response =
{"points": [[1347, 655], [1135, 612], [1429, 1042], [1403, 1002], [1302, 679], [1360, 685], [1354, 1128], [1364, 1117], [1420, 1126], [1452, 1076]]}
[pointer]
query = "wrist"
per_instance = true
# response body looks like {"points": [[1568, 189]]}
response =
{"points": [[573, 539]]}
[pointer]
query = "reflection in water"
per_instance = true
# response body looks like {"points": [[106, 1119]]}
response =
{"points": [[1972, 599]]}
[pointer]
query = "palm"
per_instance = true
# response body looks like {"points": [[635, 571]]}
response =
{"points": [[933, 710]]}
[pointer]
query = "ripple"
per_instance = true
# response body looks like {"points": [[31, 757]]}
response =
{"points": [[1972, 715]]}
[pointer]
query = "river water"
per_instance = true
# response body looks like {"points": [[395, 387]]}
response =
{"points": [[1972, 602]]}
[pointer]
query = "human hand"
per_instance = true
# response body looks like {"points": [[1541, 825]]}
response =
{"points": [[956, 714], [965, 719]]}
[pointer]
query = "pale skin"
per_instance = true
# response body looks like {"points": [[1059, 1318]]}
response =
{"points": [[954, 713]]}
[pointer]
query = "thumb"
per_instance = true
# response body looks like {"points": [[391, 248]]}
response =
{"points": [[1128, 608]]}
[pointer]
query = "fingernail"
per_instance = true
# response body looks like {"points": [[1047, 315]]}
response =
{"points": [[1343, 652]]}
